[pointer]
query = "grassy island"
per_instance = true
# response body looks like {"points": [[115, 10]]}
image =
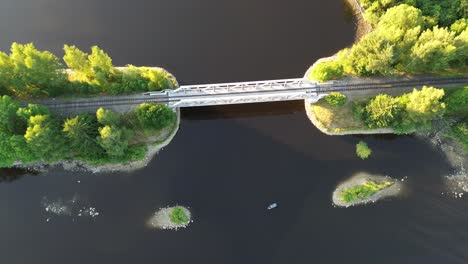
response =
{"points": [[363, 188], [363, 191]]}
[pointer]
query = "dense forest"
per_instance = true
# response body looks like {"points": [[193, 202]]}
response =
{"points": [[28, 72], [408, 37], [34, 134]]}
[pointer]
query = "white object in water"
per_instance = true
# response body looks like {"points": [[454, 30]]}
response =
{"points": [[272, 206]]}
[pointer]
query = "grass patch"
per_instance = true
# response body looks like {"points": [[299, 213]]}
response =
{"points": [[178, 216], [335, 119], [360, 192]]}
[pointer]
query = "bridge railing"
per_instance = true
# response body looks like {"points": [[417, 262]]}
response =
{"points": [[245, 86]]}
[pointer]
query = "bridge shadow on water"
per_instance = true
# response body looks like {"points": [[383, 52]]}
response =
{"points": [[242, 110]]}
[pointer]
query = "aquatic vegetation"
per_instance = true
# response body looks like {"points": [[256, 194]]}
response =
{"points": [[362, 150], [363, 191]]}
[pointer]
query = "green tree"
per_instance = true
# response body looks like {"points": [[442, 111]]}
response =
{"points": [[7, 153], [7, 72], [113, 141], [32, 110], [457, 102], [44, 137], [9, 122], [37, 73], [461, 44], [362, 150], [154, 116], [326, 70], [421, 107], [22, 149], [101, 65], [459, 25], [382, 111], [107, 117], [434, 51], [81, 132], [460, 133], [77, 61], [158, 79]]}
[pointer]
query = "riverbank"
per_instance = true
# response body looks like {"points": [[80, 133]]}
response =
{"points": [[360, 179], [362, 26], [339, 123], [154, 144]]}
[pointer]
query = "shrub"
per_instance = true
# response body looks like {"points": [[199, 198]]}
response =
{"points": [[178, 216], [359, 110], [362, 150], [457, 102], [154, 116], [460, 133], [335, 99], [113, 140], [107, 117], [326, 70]]}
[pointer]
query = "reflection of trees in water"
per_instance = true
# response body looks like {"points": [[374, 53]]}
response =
{"points": [[348, 11], [10, 175]]}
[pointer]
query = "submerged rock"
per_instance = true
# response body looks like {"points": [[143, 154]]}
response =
{"points": [[162, 220], [71, 208], [458, 183], [393, 188]]}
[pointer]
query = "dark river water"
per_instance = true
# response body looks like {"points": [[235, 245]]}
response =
{"points": [[226, 163]]}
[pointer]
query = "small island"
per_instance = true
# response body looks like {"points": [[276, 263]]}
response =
{"points": [[171, 218], [363, 188]]}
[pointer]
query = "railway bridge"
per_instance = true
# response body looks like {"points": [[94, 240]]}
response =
{"points": [[249, 92]]}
